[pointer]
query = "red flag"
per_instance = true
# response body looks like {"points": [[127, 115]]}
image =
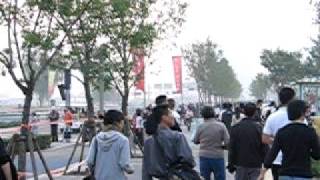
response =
{"points": [[139, 70], [177, 67]]}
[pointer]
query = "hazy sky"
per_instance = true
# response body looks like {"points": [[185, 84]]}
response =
{"points": [[242, 28]]}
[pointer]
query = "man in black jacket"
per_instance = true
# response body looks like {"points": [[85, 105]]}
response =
{"points": [[150, 125], [298, 144], [246, 150], [163, 100]]}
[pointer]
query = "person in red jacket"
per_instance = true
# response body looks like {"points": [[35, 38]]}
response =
{"points": [[68, 119]]}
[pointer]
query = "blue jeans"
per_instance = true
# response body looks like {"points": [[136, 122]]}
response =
{"points": [[292, 178], [211, 165]]}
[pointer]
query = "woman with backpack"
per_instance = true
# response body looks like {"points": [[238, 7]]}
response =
{"points": [[109, 153], [167, 154]]}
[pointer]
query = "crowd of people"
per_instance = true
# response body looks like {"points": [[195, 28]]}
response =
{"points": [[255, 139]]}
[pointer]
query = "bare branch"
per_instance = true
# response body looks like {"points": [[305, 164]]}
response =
{"points": [[60, 45], [9, 37], [77, 78], [15, 79], [48, 61], [116, 85], [24, 75], [4, 60], [29, 49]]}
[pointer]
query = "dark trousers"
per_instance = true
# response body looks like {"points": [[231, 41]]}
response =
{"points": [[212, 165], [243, 173], [54, 132], [275, 171], [139, 136]]}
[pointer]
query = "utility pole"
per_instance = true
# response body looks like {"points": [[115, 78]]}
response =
{"points": [[67, 86]]}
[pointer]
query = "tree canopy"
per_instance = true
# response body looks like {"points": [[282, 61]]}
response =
{"points": [[212, 72], [284, 67], [133, 27], [312, 64], [33, 43], [260, 86]]}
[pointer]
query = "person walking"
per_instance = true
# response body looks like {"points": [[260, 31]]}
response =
{"points": [[54, 117], [246, 150], [258, 115], [238, 115], [176, 115], [276, 121], [213, 137], [166, 148], [109, 153], [189, 118], [68, 120], [298, 144], [227, 116], [34, 122], [138, 126], [161, 100]]}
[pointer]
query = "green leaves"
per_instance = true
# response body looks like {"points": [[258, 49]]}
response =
{"points": [[212, 72], [284, 67], [144, 37], [121, 7], [260, 86], [312, 64], [65, 7], [32, 39], [38, 40]]}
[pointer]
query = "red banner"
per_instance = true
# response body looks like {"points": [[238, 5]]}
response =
{"points": [[139, 71], [177, 67]]}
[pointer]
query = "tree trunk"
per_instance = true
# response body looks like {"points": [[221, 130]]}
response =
{"points": [[89, 99], [22, 160], [41, 101], [124, 106], [90, 124], [125, 98]]}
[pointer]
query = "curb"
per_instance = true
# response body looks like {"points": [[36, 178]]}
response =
{"points": [[60, 147]]}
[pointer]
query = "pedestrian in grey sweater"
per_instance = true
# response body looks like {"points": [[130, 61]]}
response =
{"points": [[109, 154], [213, 137]]}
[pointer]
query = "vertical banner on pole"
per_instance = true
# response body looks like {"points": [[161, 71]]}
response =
{"points": [[177, 67], [139, 71]]}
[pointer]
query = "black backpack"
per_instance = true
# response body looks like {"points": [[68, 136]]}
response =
{"points": [[54, 116], [227, 118]]}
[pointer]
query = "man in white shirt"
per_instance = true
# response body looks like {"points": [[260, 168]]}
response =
{"points": [[275, 122], [139, 129], [172, 105]]}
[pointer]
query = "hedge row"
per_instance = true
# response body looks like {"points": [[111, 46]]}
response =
{"points": [[9, 124], [44, 141], [316, 168]]}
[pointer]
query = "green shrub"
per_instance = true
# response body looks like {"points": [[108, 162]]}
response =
{"points": [[9, 124], [316, 168], [44, 141]]}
